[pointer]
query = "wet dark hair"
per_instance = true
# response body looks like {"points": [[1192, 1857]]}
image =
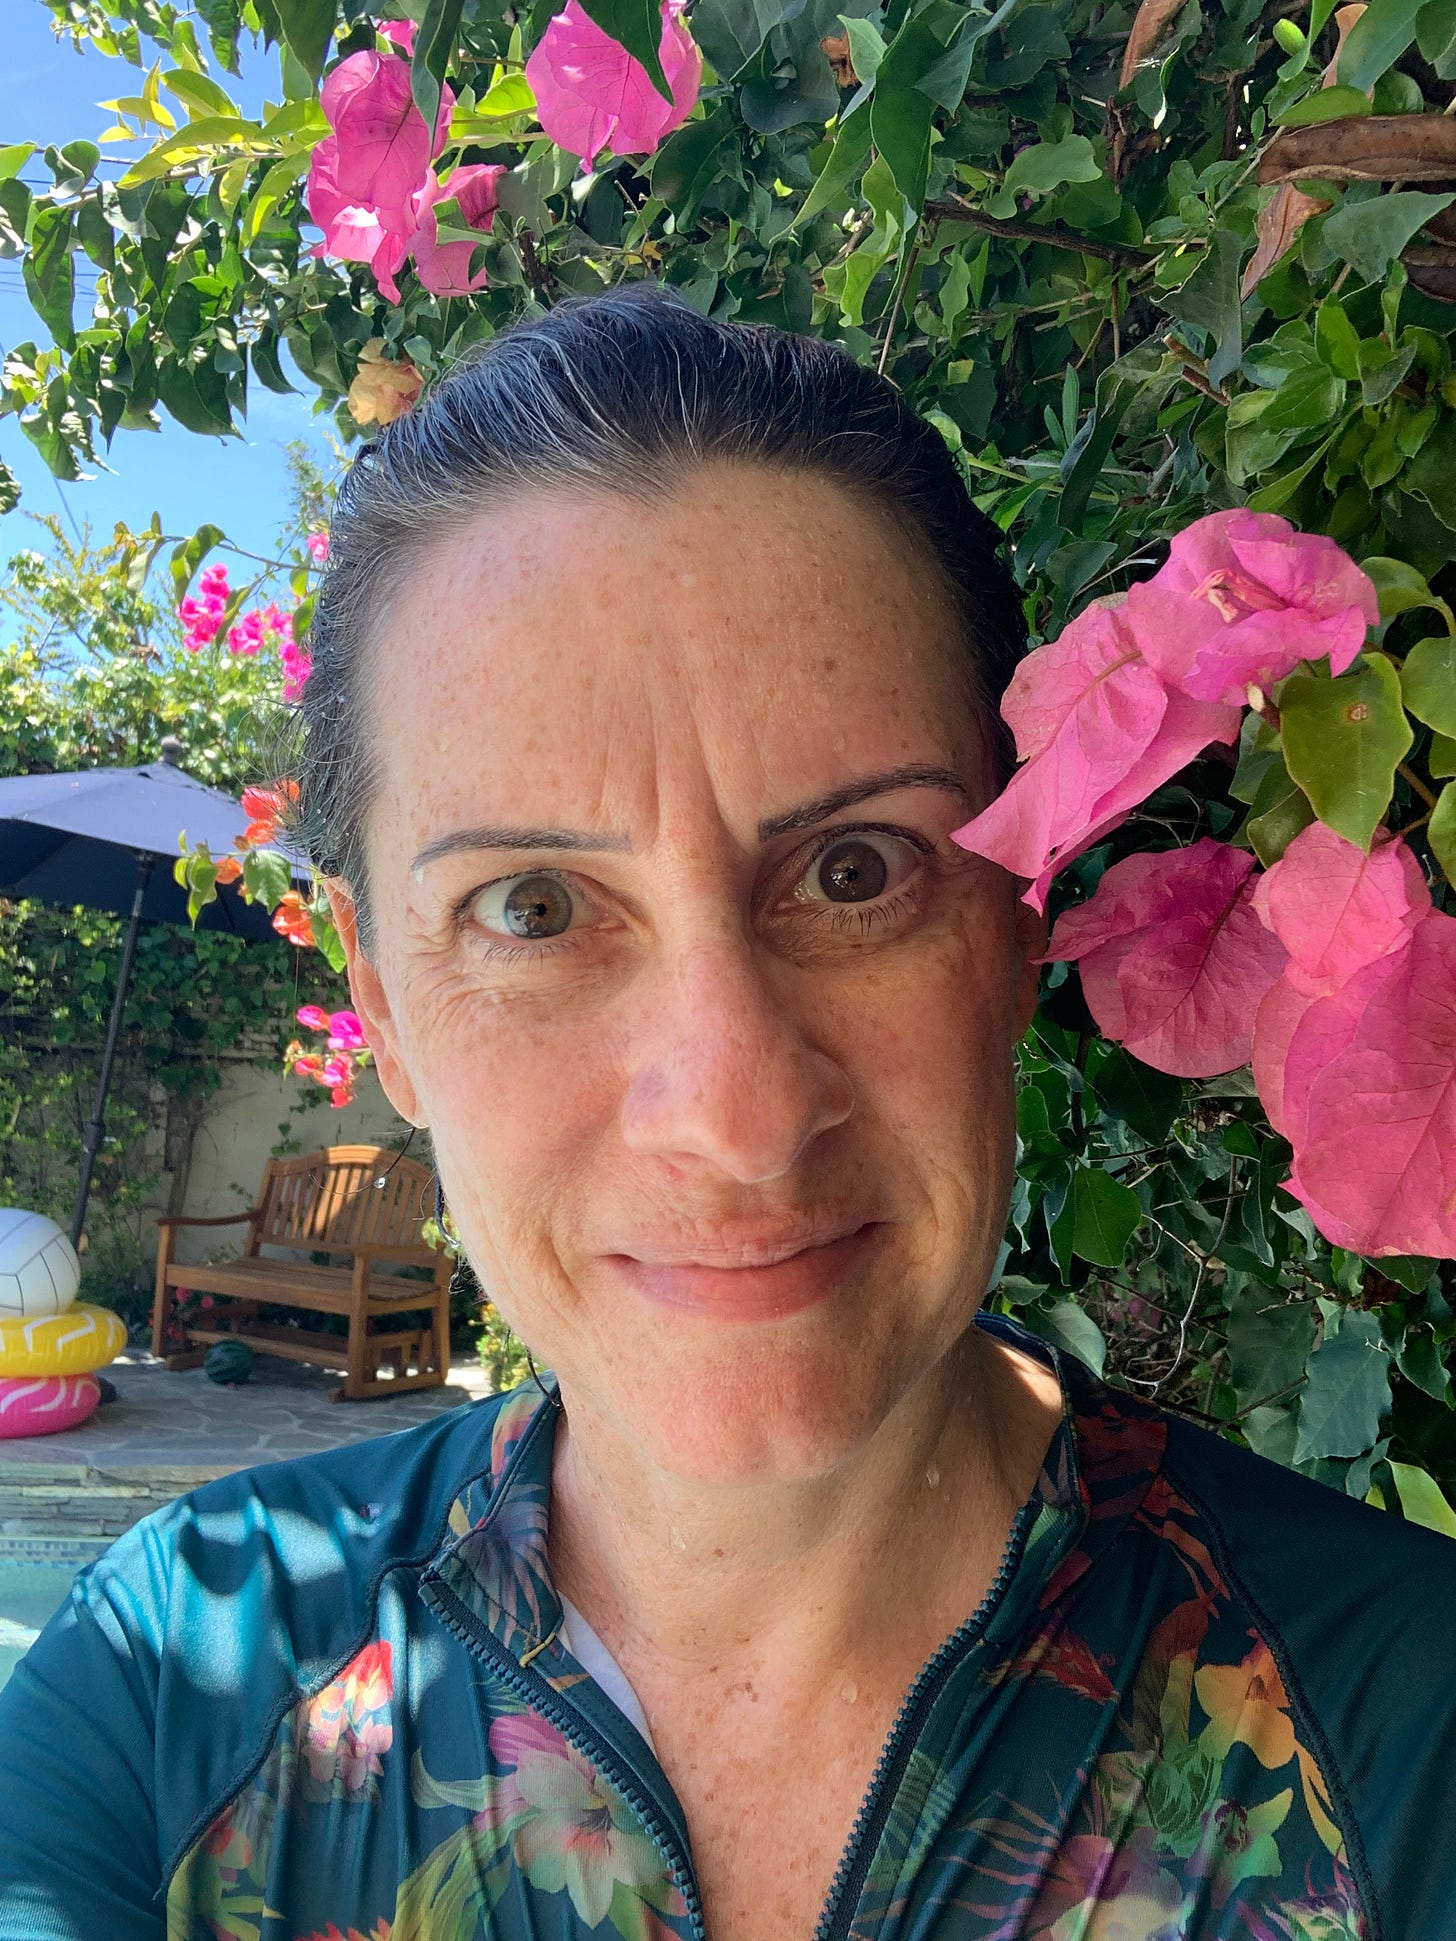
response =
{"points": [[622, 394]]}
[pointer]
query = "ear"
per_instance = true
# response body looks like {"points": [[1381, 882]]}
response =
{"points": [[1029, 931], [366, 989]]}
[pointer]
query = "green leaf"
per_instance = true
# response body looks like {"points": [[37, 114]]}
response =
{"points": [[1210, 300], [731, 32], [1043, 167], [633, 24], [1428, 682], [1436, 36], [900, 114], [866, 47], [1347, 1393], [686, 164], [267, 876], [198, 93], [14, 158], [1105, 1216], [9, 489], [1441, 759], [1402, 588], [189, 555], [1370, 235], [1325, 104], [1421, 1500], [50, 276], [1441, 831], [1342, 742], [851, 145], [1147, 1100], [1068, 1326], [1419, 1356], [1376, 41], [1269, 1339], [307, 26], [1279, 812]]}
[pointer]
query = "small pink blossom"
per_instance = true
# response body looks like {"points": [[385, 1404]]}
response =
{"points": [[1097, 731], [314, 1016], [444, 268], [591, 94], [297, 666], [1174, 960], [1243, 599], [346, 1032], [317, 545], [401, 33]]}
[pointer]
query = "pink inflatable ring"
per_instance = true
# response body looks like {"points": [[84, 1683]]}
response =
{"points": [[41, 1405]]}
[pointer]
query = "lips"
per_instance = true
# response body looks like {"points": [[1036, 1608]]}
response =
{"points": [[760, 1249], [798, 1275]]}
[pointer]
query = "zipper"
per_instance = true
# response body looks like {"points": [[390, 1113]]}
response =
{"points": [[533, 1688], [869, 1824]]}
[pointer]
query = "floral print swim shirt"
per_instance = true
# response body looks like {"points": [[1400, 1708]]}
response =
{"points": [[329, 1700]]}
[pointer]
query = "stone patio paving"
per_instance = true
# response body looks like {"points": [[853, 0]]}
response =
{"points": [[166, 1433]]}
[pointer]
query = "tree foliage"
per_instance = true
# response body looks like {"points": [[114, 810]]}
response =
{"points": [[1136, 265]]}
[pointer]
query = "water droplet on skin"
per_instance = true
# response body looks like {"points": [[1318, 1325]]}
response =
{"points": [[932, 1476], [849, 1691], [678, 1540]]}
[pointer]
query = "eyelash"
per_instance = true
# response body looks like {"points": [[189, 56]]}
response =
{"points": [[865, 916]]}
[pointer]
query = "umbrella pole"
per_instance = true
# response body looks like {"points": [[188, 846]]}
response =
{"points": [[91, 1138]]}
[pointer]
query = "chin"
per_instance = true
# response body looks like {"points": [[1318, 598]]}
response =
{"points": [[728, 1406]]}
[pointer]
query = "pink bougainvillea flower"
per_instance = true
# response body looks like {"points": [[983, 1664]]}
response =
{"points": [[317, 546], [1375, 1154], [364, 178], [1097, 731], [401, 33], [297, 666], [346, 1031], [1335, 909], [1174, 960], [591, 94], [1243, 599], [314, 1016], [444, 268]]}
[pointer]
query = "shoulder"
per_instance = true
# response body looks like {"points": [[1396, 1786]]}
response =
{"points": [[1358, 1607]]}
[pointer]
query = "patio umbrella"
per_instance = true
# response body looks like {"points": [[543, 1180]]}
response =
{"points": [[97, 837]]}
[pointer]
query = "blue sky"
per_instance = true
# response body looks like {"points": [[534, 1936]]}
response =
{"points": [[48, 93]]}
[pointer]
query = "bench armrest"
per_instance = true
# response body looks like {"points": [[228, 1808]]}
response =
{"points": [[209, 1220]]}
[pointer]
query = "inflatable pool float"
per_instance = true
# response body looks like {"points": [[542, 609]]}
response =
{"points": [[42, 1405], [73, 1343]]}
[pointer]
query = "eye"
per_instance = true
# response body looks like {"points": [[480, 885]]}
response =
{"points": [[858, 867], [535, 907]]}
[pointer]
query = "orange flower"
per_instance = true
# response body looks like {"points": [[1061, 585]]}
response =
{"points": [[263, 807], [291, 919], [1247, 1705], [229, 869], [384, 388]]}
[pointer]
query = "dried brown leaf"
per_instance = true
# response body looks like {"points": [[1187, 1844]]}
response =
{"points": [[1364, 148], [1150, 23], [1280, 221], [1433, 272], [836, 48]]}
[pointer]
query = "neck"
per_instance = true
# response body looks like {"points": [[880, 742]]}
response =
{"points": [[682, 1578]]}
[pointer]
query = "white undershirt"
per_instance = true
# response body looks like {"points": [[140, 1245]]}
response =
{"points": [[593, 1656]]}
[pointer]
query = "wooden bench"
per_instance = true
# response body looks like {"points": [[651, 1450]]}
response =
{"points": [[363, 1202]]}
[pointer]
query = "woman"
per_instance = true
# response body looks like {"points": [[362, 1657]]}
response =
{"points": [[656, 662]]}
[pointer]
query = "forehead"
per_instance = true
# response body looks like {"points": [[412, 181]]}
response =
{"points": [[771, 634]]}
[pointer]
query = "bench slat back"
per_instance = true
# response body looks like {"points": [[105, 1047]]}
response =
{"points": [[345, 1197]]}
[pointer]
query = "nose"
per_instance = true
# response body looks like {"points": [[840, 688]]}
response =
{"points": [[721, 1070]]}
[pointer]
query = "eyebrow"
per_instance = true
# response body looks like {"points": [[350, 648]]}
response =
{"points": [[910, 775]]}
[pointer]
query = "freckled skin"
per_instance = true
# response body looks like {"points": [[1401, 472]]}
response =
{"points": [[706, 1046]]}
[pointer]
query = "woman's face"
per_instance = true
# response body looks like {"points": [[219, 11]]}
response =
{"points": [[677, 961]]}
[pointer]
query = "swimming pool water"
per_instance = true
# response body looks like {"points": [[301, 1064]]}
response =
{"points": [[35, 1575]]}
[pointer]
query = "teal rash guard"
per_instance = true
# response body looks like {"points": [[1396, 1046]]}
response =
{"points": [[329, 1700]]}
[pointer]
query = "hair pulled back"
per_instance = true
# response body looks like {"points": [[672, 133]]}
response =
{"points": [[622, 393]]}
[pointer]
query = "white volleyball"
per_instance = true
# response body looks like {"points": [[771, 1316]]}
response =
{"points": [[39, 1271]]}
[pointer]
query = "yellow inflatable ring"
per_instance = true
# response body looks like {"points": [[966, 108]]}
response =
{"points": [[72, 1343]]}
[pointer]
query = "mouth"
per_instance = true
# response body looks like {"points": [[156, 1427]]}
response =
{"points": [[766, 1282]]}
